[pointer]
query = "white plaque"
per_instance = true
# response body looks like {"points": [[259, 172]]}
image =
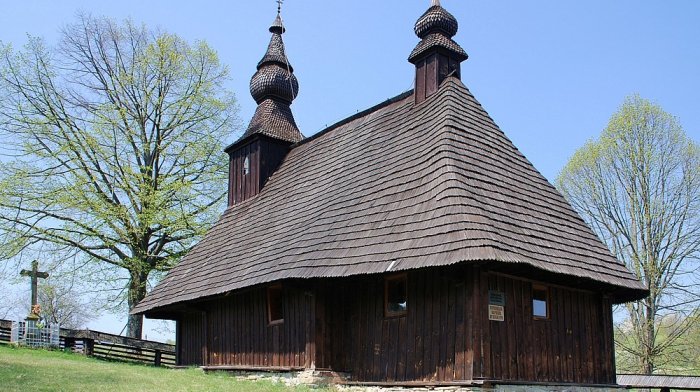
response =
{"points": [[496, 313]]}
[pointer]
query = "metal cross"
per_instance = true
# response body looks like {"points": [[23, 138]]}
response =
{"points": [[279, 6], [35, 274]]}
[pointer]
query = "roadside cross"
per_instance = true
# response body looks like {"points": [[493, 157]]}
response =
{"points": [[35, 274]]}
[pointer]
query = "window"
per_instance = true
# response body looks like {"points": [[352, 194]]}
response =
{"points": [[395, 296], [540, 299], [246, 166], [275, 314]]}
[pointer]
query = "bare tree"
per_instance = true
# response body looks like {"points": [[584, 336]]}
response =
{"points": [[115, 141], [62, 303], [638, 186]]}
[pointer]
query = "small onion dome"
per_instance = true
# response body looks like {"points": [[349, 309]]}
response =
{"points": [[277, 26], [272, 80], [436, 19]]}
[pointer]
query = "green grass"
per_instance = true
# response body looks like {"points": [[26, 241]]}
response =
{"points": [[23, 369]]}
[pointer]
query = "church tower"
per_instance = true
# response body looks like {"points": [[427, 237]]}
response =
{"points": [[261, 149], [436, 56]]}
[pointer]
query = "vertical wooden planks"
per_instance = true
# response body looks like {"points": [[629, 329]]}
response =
{"points": [[445, 336], [460, 345], [431, 85], [407, 344], [419, 327], [511, 329], [401, 349], [470, 343], [450, 352], [442, 326], [436, 324], [376, 328], [420, 81]]}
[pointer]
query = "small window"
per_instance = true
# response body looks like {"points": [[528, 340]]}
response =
{"points": [[246, 166], [540, 299], [275, 314], [395, 296]]}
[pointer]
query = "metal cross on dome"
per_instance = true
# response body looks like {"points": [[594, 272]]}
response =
{"points": [[279, 6]]}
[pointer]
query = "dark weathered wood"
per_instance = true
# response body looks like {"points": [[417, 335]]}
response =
{"points": [[487, 370], [433, 328], [420, 81], [419, 326], [511, 359], [444, 336], [264, 157], [431, 82]]}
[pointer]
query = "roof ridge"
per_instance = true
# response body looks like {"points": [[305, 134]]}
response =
{"points": [[354, 117]]}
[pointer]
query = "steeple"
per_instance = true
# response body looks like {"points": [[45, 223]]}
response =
{"points": [[266, 141], [436, 56], [274, 87]]}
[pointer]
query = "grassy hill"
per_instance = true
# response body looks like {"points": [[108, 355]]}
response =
{"points": [[38, 370]]}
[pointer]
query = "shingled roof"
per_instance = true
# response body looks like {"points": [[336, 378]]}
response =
{"points": [[398, 187]]}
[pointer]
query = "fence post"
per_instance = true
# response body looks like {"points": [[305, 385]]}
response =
{"points": [[69, 344], [158, 357], [88, 347]]}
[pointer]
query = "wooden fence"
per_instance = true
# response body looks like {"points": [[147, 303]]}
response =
{"points": [[108, 346]]}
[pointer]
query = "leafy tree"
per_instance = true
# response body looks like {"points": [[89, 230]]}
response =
{"points": [[113, 148], [638, 186]]}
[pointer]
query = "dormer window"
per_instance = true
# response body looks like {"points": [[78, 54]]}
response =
{"points": [[246, 166]]}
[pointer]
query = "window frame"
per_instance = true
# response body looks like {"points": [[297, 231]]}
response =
{"points": [[246, 165], [280, 297], [547, 301], [387, 280]]}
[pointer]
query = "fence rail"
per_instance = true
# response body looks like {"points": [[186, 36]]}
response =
{"points": [[108, 346]]}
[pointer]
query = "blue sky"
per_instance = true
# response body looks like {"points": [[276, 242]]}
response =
{"points": [[549, 72]]}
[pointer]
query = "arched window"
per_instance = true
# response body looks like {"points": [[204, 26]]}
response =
{"points": [[246, 166]]}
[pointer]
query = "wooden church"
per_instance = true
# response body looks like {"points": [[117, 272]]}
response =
{"points": [[409, 244]]}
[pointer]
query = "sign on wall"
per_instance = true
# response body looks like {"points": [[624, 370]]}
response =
{"points": [[497, 302], [496, 313]]}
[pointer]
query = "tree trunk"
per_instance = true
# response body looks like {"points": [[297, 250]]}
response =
{"points": [[650, 331], [137, 292]]}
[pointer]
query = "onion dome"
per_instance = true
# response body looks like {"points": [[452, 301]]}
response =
{"points": [[435, 28], [274, 77], [274, 87], [436, 19]]}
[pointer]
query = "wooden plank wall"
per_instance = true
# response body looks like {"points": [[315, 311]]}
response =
{"points": [[264, 157], [190, 339], [575, 344], [238, 333], [445, 335], [430, 343], [242, 186]]}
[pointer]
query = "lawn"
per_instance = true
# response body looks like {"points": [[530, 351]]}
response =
{"points": [[24, 370]]}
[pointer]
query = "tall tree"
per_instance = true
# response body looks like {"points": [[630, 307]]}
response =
{"points": [[638, 186], [115, 140]]}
